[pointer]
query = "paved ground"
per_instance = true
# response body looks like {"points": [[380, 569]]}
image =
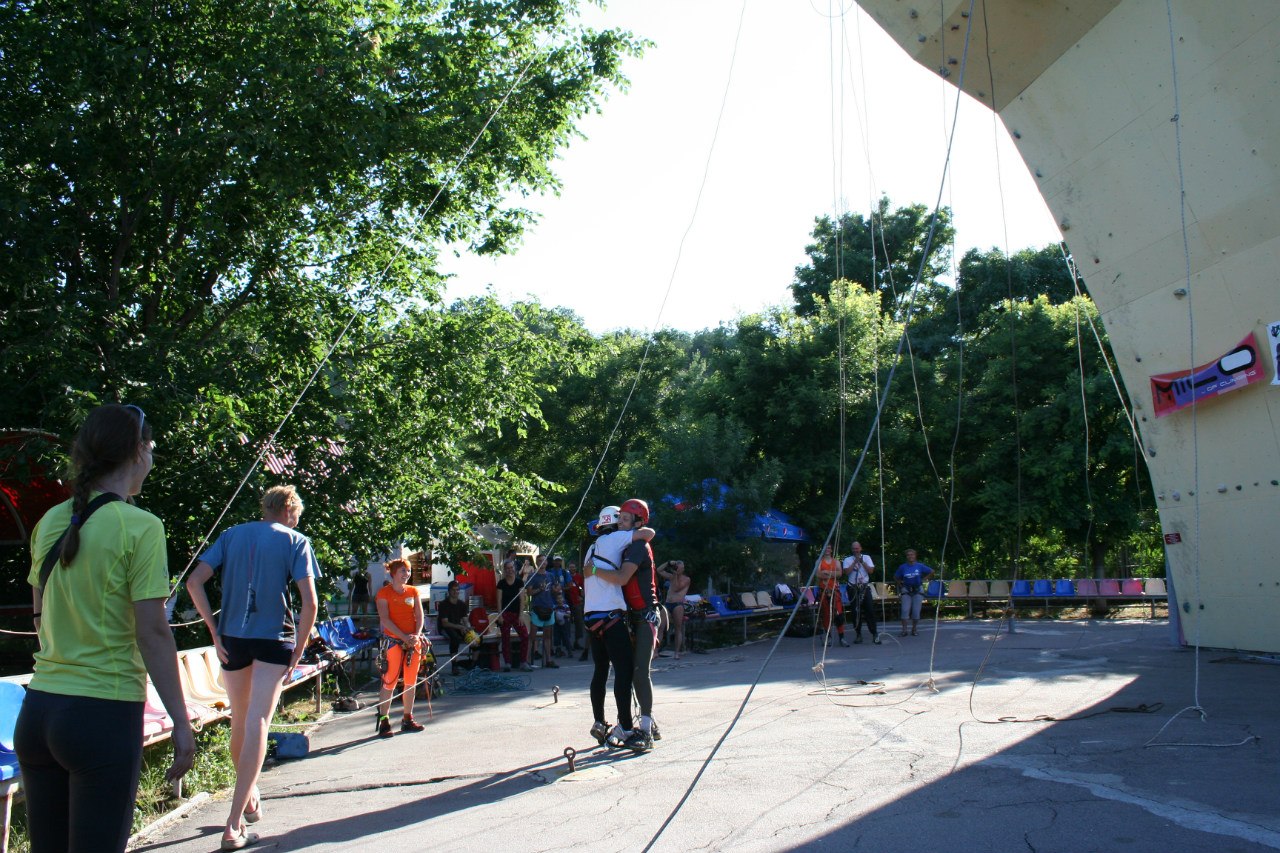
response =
{"points": [[886, 766]]}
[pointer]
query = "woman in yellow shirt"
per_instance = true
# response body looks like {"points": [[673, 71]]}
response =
{"points": [[101, 621]]}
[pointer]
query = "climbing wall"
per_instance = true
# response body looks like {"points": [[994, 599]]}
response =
{"points": [[1087, 90]]}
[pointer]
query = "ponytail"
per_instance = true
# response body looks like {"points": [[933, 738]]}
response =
{"points": [[110, 438], [79, 503]]}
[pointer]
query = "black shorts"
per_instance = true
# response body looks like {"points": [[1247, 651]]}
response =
{"points": [[242, 651]]}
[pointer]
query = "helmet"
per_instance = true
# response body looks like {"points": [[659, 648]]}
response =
{"points": [[638, 508], [471, 638], [608, 517]]}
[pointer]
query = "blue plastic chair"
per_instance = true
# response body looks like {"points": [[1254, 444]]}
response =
{"points": [[1065, 588], [1042, 589], [934, 590], [844, 595], [1022, 588], [11, 696]]}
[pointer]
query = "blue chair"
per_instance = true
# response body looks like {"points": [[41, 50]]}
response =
{"points": [[722, 607], [1065, 588], [844, 595], [1042, 589], [11, 696], [347, 633], [934, 590], [1021, 588]]}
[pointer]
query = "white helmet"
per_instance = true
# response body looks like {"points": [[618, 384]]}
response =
{"points": [[608, 517]]}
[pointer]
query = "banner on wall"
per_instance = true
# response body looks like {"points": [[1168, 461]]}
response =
{"points": [[1240, 367], [1273, 338]]}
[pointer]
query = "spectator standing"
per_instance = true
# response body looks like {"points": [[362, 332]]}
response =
{"points": [[451, 617], [858, 568], [255, 636], [99, 614], [358, 590], [542, 611], [829, 604], [510, 601], [401, 619], [677, 590], [564, 622], [911, 577], [559, 574], [573, 592]]}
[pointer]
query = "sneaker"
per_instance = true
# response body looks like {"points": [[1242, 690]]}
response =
{"points": [[409, 724], [843, 641], [914, 633], [384, 727], [617, 736], [876, 639], [583, 657], [552, 665], [600, 731], [653, 730], [639, 741], [524, 667]]}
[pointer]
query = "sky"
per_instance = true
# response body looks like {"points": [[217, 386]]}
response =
{"points": [[823, 113]]}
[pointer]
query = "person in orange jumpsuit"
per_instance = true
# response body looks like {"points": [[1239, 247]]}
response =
{"points": [[400, 613]]}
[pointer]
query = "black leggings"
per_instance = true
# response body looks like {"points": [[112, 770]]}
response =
{"points": [[611, 644], [80, 760], [646, 634], [864, 608]]}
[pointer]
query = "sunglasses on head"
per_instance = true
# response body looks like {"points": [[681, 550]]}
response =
{"points": [[142, 419]]}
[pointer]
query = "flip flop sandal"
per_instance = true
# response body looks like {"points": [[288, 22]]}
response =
{"points": [[241, 841]]}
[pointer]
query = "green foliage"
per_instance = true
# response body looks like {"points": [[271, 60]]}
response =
{"points": [[196, 202], [981, 446], [884, 259]]}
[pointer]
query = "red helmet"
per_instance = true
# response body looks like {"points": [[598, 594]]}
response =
{"points": [[638, 508]]}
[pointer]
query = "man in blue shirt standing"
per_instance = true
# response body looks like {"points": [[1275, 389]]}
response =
{"points": [[911, 577]]}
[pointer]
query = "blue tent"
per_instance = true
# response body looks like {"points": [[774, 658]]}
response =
{"points": [[770, 525], [774, 526]]}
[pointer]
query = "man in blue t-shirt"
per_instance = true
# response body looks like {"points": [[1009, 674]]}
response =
{"points": [[911, 577]]}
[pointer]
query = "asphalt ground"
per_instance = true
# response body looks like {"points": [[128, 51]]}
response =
{"points": [[1065, 736]]}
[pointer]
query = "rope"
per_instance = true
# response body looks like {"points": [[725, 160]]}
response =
{"points": [[644, 358], [1176, 120], [1013, 315], [483, 681], [933, 224]]}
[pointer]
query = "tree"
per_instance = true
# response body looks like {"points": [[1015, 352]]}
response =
{"points": [[195, 201], [882, 253]]}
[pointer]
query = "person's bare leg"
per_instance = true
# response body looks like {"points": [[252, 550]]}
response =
{"points": [[263, 682]]}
